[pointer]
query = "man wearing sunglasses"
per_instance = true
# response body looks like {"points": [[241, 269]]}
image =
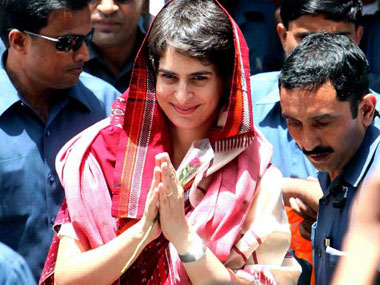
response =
{"points": [[116, 40], [44, 101]]}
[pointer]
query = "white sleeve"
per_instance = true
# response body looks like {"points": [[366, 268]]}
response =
{"points": [[67, 230]]}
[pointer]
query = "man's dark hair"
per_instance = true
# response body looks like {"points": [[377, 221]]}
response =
{"points": [[31, 15], [197, 28], [323, 57], [336, 10]]}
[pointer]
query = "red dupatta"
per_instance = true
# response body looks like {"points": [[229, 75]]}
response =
{"points": [[144, 133], [137, 131]]}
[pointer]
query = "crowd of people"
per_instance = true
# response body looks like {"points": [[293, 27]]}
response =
{"points": [[219, 142]]}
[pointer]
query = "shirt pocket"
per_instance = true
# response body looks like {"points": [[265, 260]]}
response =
{"points": [[15, 201], [332, 258]]}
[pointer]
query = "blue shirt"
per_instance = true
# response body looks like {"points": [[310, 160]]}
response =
{"points": [[98, 67], [13, 268], [2, 47], [30, 192], [256, 19], [287, 156], [370, 44], [334, 209]]}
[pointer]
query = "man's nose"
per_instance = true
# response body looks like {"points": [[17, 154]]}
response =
{"points": [[310, 139], [107, 6], [82, 54]]}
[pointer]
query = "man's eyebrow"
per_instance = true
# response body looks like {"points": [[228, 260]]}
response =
{"points": [[323, 116], [288, 117]]}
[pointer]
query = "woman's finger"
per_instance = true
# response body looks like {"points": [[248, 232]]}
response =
{"points": [[156, 177]]}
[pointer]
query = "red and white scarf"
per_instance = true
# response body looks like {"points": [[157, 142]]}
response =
{"points": [[135, 133]]}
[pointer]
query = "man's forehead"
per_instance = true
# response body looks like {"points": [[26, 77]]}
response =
{"points": [[67, 21], [306, 92], [318, 102]]}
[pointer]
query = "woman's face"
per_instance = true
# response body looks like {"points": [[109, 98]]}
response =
{"points": [[188, 91]]}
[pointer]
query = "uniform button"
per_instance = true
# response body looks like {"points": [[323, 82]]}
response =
{"points": [[51, 178], [47, 133], [325, 201], [52, 220], [319, 252]]}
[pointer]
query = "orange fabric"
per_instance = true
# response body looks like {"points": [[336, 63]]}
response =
{"points": [[302, 247]]}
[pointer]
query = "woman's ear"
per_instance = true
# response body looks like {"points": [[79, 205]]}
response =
{"points": [[367, 107]]}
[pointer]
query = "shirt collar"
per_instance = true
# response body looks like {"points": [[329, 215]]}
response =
{"points": [[271, 98], [360, 163], [94, 54], [78, 92], [358, 166]]}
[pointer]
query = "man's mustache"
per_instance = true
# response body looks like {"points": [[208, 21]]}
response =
{"points": [[318, 150]]}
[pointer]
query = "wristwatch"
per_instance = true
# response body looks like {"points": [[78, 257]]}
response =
{"points": [[197, 251]]}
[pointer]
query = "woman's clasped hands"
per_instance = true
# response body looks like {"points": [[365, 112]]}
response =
{"points": [[166, 199]]}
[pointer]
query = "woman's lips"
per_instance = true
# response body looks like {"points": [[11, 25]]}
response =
{"points": [[185, 110]]}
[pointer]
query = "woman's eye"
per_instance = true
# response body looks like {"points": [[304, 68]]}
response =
{"points": [[199, 77], [167, 75]]}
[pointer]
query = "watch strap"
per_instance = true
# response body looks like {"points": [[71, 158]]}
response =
{"points": [[197, 251]]}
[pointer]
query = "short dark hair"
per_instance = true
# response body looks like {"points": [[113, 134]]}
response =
{"points": [[31, 15], [336, 10], [197, 28], [323, 57]]}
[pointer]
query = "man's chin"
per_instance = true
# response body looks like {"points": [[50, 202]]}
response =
{"points": [[68, 83], [321, 162], [106, 40]]}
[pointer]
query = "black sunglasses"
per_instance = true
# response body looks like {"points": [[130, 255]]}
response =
{"points": [[68, 42]]}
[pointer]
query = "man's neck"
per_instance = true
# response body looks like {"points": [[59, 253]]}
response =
{"points": [[116, 56], [36, 97], [334, 174]]}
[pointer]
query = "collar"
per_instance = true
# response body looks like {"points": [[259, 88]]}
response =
{"points": [[272, 98], [253, 9], [269, 79], [358, 166], [95, 56], [79, 91], [9, 94]]}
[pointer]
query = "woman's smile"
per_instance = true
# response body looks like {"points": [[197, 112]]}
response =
{"points": [[185, 109]]}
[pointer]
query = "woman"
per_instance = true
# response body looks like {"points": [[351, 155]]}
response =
{"points": [[180, 146]]}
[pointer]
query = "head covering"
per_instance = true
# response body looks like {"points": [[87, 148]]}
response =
{"points": [[137, 132], [145, 134]]}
